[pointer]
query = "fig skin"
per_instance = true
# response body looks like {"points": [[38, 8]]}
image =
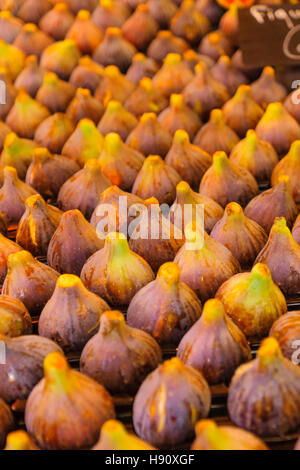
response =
{"points": [[216, 135], [86, 34], [7, 247], [4, 131], [12, 59], [172, 310], [140, 28], [205, 263], [84, 105], [166, 43], [211, 9], [116, 273], [179, 116], [17, 153], [14, 317], [210, 436], [142, 66], [55, 93], [31, 40], [146, 98], [61, 58], [10, 93], [278, 128], [162, 11], [119, 162], [84, 144], [68, 403], [72, 243], [204, 93], [79, 314], [290, 166], [213, 212], [189, 24], [291, 104], [29, 280], [226, 73], [6, 422], [19, 440], [87, 74], [24, 360], [13, 195], [110, 13], [227, 182], [173, 385], [31, 11], [256, 155], [10, 26], [266, 90], [215, 44], [115, 437], [156, 179], [241, 235], [285, 269], [47, 172], [275, 202], [57, 21], [115, 50], [214, 345], [31, 77], [271, 379], [37, 225], [83, 190], [296, 230], [113, 86], [77, 5], [117, 119], [149, 137], [119, 357], [173, 76], [286, 331], [253, 301], [161, 247], [54, 131]]}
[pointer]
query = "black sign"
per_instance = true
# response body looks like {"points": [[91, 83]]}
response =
{"points": [[270, 35]]}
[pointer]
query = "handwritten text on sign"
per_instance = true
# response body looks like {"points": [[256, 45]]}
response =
{"points": [[270, 35]]}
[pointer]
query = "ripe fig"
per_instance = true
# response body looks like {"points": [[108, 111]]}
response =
{"points": [[57, 21], [17, 153], [115, 50], [229, 24], [55, 93], [14, 317], [31, 77], [61, 58], [54, 131], [84, 105], [117, 119], [142, 66], [211, 9], [189, 24], [146, 98], [31, 40], [216, 135], [7, 247], [266, 89], [87, 74], [173, 76], [115, 437], [179, 116], [86, 34], [113, 86], [110, 13], [296, 230], [215, 44], [287, 332], [162, 11], [226, 73], [149, 137], [4, 131], [10, 26], [19, 440], [166, 43], [31, 11], [140, 28], [290, 166]]}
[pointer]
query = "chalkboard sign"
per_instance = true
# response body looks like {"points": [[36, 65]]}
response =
{"points": [[270, 35]]}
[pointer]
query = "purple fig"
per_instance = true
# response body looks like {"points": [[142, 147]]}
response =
{"points": [[55, 93], [10, 26], [115, 50], [290, 166], [14, 317], [110, 13], [113, 86], [179, 116], [189, 24], [226, 73], [296, 230], [57, 21], [174, 75], [146, 98], [86, 34], [266, 90], [32, 76], [87, 74], [140, 28], [216, 44], [61, 58], [7, 247], [166, 43], [162, 11], [31, 40], [54, 131], [84, 106], [142, 66], [149, 137], [31, 11], [286, 330], [117, 119]]}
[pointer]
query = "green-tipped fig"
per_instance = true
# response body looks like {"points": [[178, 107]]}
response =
{"points": [[17, 153], [31, 77], [117, 119], [57, 21], [179, 116], [146, 98], [140, 28], [142, 66], [290, 166], [31, 40], [228, 75], [287, 332], [19, 440], [115, 437], [85, 33], [113, 86], [189, 24], [88, 74], [166, 43], [266, 89], [11, 58], [115, 50], [61, 58], [14, 317], [55, 93], [174, 75], [6, 422]]}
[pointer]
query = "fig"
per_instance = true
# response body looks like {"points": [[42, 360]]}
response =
{"points": [[23, 368], [154, 238], [31, 40], [251, 73], [37, 225], [149, 137], [54, 131], [19, 440], [115, 50], [84, 105], [13, 195], [286, 330], [11, 58], [110, 13], [86, 34], [290, 166], [8, 95], [296, 230], [115, 437], [4, 131], [6, 422], [291, 104], [227, 182], [186, 197], [79, 314], [214, 345], [142, 66], [192, 58], [173, 308], [119, 162], [173, 76], [117, 119], [119, 357], [285, 269], [64, 403], [84, 144], [162, 11], [215, 44], [229, 24], [10, 26], [204, 93], [266, 90], [140, 28], [211, 9], [216, 135], [73, 242], [210, 436], [226, 73], [55, 93], [14, 317], [173, 385], [116, 273], [271, 379], [255, 155], [29, 280], [146, 98], [32, 76], [179, 116], [77, 5], [242, 112], [31, 11], [26, 115], [189, 24], [204, 262], [157, 179], [253, 301], [7, 247], [87, 74], [17, 153], [61, 58], [166, 43], [48, 172], [83, 190], [113, 86], [278, 128], [57, 21]]}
